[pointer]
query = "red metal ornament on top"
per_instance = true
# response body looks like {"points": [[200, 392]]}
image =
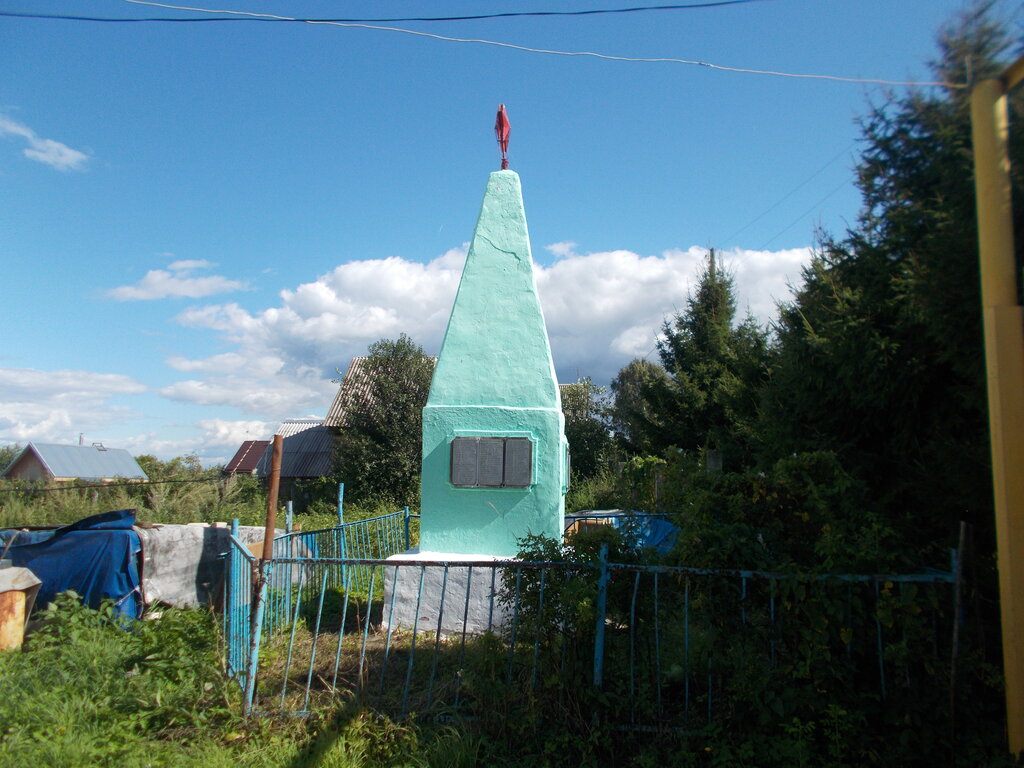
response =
{"points": [[502, 130]]}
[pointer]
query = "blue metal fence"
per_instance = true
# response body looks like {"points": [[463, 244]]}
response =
{"points": [[265, 599], [240, 566], [649, 646], [308, 552]]}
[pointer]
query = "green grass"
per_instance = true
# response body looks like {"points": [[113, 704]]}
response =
{"points": [[206, 500], [86, 691], [205, 497]]}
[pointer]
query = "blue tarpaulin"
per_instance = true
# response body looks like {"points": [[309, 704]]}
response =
{"points": [[658, 533], [645, 531], [97, 557]]}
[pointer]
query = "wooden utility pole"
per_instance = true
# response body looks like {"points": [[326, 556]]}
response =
{"points": [[1004, 360], [275, 484]]}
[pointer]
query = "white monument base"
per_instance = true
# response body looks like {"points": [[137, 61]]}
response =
{"points": [[413, 606]]}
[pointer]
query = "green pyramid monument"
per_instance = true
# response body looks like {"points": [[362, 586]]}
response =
{"points": [[495, 458]]}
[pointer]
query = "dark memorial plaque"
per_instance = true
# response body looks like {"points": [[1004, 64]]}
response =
{"points": [[464, 450], [518, 462], [490, 461]]}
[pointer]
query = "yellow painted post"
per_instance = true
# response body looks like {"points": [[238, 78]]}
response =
{"points": [[1004, 360]]}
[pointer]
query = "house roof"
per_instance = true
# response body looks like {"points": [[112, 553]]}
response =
{"points": [[86, 462], [575, 398], [307, 449], [246, 457], [354, 388]]}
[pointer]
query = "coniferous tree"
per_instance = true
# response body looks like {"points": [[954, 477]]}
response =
{"points": [[880, 354], [716, 369]]}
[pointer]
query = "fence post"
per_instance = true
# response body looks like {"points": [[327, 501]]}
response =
{"points": [[407, 528], [602, 600], [288, 524], [341, 503], [227, 595], [255, 630]]}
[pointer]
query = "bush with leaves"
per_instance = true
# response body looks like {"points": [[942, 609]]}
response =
{"points": [[804, 513]]}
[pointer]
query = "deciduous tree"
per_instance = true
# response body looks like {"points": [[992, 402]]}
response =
{"points": [[378, 454]]}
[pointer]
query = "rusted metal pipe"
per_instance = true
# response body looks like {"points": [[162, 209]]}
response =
{"points": [[275, 484]]}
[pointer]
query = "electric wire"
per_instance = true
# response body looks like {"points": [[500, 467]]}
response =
{"points": [[791, 192], [553, 52], [474, 17], [784, 230]]}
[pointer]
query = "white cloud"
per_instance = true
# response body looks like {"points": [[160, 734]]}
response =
{"points": [[214, 441], [563, 249], [277, 397], [322, 324], [66, 383], [52, 153], [176, 282], [230, 363], [764, 278], [221, 433], [601, 309], [54, 406], [189, 264]]}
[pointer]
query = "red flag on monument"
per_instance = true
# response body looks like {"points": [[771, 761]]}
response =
{"points": [[502, 129]]}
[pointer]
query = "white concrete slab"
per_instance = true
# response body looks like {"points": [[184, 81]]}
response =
{"points": [[413, 606]]}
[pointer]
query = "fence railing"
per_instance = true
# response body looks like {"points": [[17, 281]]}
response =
{"points": [[264, 598], [647, 647], [308, 552], [240, 567]]}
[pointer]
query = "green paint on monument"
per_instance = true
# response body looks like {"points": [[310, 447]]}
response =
{"points": [[495, 459]]}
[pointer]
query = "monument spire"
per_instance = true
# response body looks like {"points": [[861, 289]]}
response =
{"points": [[495, 459]]}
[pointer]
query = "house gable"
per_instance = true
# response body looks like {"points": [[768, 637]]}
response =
{"points": [[91, 463]]}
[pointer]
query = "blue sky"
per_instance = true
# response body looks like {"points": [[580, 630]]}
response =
{"points": [[200, 223]]}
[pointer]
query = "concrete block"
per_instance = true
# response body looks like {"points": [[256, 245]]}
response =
{"points": [[475, 576]]}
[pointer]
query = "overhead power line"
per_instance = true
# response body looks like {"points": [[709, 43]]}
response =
{"points": [[547, 51], [528, 49], [809, 211], [474, 17], [789, 194]]}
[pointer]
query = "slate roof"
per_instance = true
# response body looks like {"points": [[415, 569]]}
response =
{"points": [[575, 398], [85, 462], [354, 387], [246, 458], [307, 450]]}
